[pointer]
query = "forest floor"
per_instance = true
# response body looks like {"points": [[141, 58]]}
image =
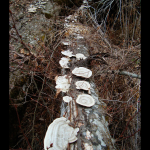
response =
{"points": [[34, 52]]}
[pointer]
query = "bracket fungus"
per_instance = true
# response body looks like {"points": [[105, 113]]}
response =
{"points": [[63, 83], [59, 133], [63, 62], [80, 56], [83, 85], [67, 99], [82, 72], [85, 100], [67, 53]]}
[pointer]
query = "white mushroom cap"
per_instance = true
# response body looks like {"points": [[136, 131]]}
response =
{"points": [[63, 83], [67, 53], [60, 134], [63, 62], [85, 100], [82, 72], [80, 56], [67, 99], [83, 85]]}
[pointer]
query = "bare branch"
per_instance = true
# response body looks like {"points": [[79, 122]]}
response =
{"points": [[133, 75]]}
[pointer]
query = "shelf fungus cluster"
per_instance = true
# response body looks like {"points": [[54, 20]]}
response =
{"points": [[63, 83], [83, 99], [65, 60], [63, 130], [59, 134], [78, 56]]}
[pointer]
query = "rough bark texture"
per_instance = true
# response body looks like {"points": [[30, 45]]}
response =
{"points": [[88, 119]]}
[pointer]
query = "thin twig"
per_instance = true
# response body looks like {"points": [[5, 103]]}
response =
{"points": [[121, 135], [37, 103], [35, 111], [15, 106], [133, 75]]}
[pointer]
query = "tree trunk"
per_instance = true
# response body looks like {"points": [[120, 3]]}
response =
{"points": [[93, 128]]}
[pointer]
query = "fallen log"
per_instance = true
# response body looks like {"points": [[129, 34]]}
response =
{"points": [[82, 108]]}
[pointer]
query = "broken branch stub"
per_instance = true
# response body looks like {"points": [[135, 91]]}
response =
{"points": [[62, 83]]}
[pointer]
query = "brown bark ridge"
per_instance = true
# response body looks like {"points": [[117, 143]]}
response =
{"points": [[93, 128]]}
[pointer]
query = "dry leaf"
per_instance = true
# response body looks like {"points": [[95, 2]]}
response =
{"points": [[41, 119], [56, 77], [22, 51], [80, 124]]}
